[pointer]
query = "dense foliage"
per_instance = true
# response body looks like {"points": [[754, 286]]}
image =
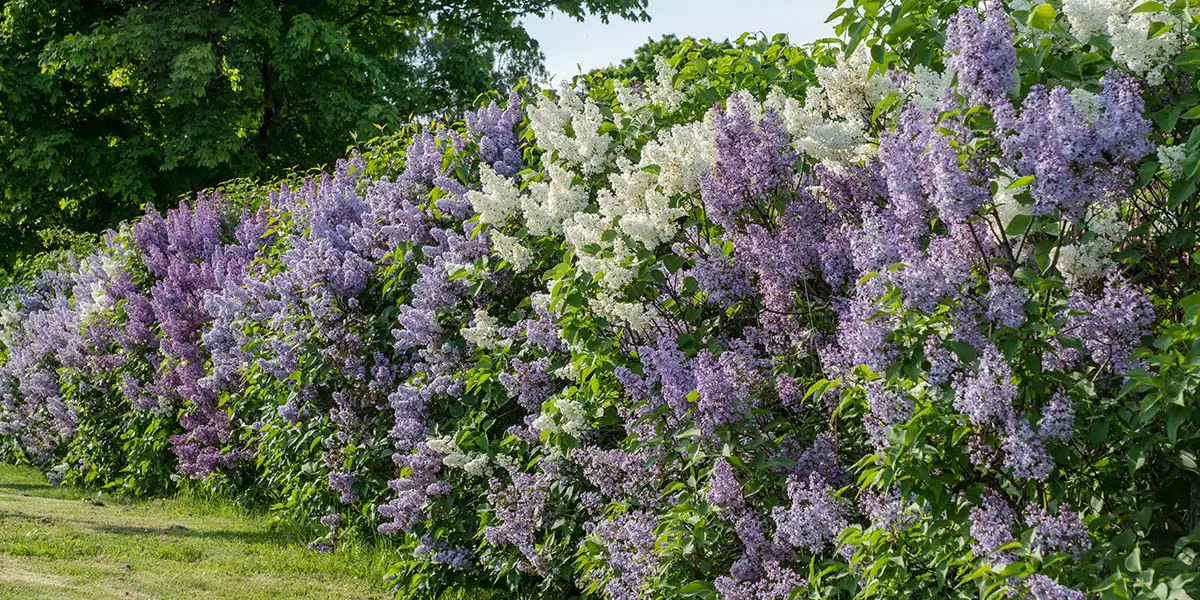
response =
{"points": [[913, 314], [107, 106]]}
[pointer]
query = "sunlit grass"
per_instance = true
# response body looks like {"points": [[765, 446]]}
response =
{"points": [[63, 544]]}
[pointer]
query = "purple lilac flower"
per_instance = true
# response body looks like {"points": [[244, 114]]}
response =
{"points": [[1064, 532], [986, 394], [981, 52], [861, 337], [1024, 452], [1005, 301], [886, 408], [494, 130], [628, 542], [413, 492], [184, 251], [520, 509], [901, 154], [1058, 418], [822, 458], [1122, 129], [942, 362], [790, 394], [813, 520], [458, 559], [776, 583], [1114, 322], [332, 521], [1044, 588], [634, 476], [344, 484], [669, 367], [724, 279], [723, 486], [887, 511], [529, 382], [755, 159], [991, 526], [941, 271], [1075, 162], [724, 384], [959, 184]]}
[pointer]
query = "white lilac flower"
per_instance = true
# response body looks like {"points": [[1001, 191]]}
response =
{"points": [[485, 330], [511, 250], [497, 201], [1171, 158], [552, 202], [550, 118], [1128, 32]]}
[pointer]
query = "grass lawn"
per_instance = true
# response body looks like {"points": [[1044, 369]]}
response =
{"points": [[64, 544]]}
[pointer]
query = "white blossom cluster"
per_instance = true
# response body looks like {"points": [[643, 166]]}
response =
{"points": [[1087, 261], [9, 322], [551, 203], [485, 332], [1129, 33], [643, 212], [497, 200], [660, 91], [1171, 158], [831, 124], [551, 118], [571, 418], [1007, 208], [682, 153], [1087, 103], [635, 314], [475, 464], [926, 88], [511, 250]]}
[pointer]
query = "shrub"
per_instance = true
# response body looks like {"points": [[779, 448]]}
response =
{"points": [[910, 315]]}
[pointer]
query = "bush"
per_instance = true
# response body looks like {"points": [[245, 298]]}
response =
{"points": [[929, 331]]}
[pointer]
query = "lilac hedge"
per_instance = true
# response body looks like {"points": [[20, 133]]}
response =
{"points": [[911, 314]]}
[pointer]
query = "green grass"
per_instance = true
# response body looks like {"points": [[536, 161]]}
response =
{"points": [[64, 544]]}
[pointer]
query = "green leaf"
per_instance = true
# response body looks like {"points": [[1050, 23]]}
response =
{"points": [[1190, 57], [698, 589], [1147, 7], [1180, 191], [1158, 29], [1020, 183], [1018, 224], [1042, 16]]}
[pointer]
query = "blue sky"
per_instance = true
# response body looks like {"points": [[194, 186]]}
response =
{"points": [[592, 44]]}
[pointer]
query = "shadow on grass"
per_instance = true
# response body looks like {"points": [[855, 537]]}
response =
{"points": [[243, 537], [26, 487]]}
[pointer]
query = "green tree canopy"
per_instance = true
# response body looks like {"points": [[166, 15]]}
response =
{"points": [[107, 105], [640, 66]]}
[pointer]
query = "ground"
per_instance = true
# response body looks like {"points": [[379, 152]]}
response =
{"points": [[64, 544]]}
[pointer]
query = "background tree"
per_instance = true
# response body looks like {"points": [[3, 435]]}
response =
{"points": [[105, 106], [640, 66]]}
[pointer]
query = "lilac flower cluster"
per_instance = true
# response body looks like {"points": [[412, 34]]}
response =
{"points": [[754, 160], [1064, 532], [982, 53], [628, 543], [1112, 324], [1044, 588], [493, 128], [991, 526], [1078, 160], [815, 517]]}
